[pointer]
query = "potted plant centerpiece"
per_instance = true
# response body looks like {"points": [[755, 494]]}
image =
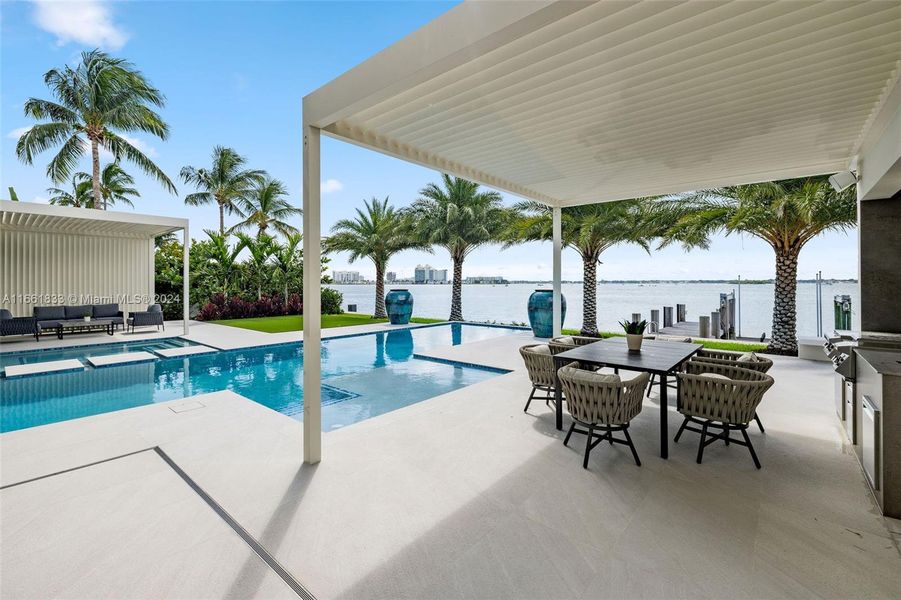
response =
{"points": [[634, 334]]}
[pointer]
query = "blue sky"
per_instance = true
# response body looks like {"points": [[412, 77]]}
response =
{"points": [[234, 74]]}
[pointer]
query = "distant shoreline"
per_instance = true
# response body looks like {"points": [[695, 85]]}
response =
{"points": [[621, 281]]}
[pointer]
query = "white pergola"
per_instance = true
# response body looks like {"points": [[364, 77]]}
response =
{"points": [[54, 253], [568, 102]]}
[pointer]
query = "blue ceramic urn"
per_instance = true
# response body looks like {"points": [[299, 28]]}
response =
{"points": [[541, 310], [399, 304]]}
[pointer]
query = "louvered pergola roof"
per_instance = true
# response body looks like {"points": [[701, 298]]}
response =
{"points": [[85, 221], [576, 102]]}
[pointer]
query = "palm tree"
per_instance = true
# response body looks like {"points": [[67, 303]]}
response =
{"points": [[377, 233], [261, 249], [287, 259], [226, 183], [222, 261], [80, 196], [115, 185], [785, 214], [589, 230], [459, 217], [100, 96], [265, 206]]}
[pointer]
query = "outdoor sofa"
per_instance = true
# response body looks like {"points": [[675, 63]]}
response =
{"points": [[10, 325], [147, 318], [47, 318]]}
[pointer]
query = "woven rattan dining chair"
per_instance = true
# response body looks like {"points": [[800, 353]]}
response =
{"points": [[540, 366], [568, 342], [745, 360], [601, 405], [665, 338], [722, 397]]}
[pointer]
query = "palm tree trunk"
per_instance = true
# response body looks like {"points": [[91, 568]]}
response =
{"points": [[286, 289], [95, 175], [221, 219], [456, 312], [380, 312], [785, 338], [589, 295]]}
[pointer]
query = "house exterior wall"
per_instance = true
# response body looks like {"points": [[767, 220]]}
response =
{"points": [[43, 268]]}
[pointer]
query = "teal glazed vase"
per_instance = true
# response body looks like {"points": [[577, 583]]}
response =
{"points": [[399, 304], [541, 312]]}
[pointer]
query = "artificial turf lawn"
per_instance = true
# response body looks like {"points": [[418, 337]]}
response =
{"points": [[295, 322]]}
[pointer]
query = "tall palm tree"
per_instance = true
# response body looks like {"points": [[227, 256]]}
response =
{"points": [[261, 249], [79, 196], [288, 260], [226, 183], [785, 214], [377, 233], [96, 99], [265, 206], [459, 217], [589, 230], [116, 186]]}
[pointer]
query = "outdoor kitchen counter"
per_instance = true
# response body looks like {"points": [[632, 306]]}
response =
{"points": [[878, 424], [884, 362]]}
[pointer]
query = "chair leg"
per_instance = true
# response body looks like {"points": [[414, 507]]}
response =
{"points": [[744, 432], [726, 432], [701, 444], [610, 435], [569, 433], [529, 401], [588, 446], [759, 424], [632, 446], [681, 429]]}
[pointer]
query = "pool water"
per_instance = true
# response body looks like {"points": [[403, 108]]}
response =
{"points": [[362, 376], [35, 356]]}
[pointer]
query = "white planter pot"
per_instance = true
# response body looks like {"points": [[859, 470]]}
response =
{"points": [[633, 340]]}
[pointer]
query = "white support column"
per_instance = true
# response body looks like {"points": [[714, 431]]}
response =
{"points": [[186, 279], [312, 336], [557, 228]]}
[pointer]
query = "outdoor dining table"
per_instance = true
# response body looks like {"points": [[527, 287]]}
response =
{"points": [[658, 358]]}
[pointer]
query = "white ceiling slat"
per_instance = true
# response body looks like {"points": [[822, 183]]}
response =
{"points": [[837, 64], [618, 99], [837, 95], [667, 66]]}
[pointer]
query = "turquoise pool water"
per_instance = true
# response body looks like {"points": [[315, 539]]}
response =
{"points": [[35, 356], [362, 376]]}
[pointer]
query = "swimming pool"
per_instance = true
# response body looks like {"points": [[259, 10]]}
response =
{"points": [[362, 376], [28, 357]]}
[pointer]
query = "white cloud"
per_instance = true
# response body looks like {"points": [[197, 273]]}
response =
{"points": [[141, 145], [17, 132], [331, 185], [86, 22]]}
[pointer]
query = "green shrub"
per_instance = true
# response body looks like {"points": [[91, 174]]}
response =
{"points": [[331, 301]]}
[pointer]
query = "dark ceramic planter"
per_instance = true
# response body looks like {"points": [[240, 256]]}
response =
{"points": [[541, 312], [399, 304]]}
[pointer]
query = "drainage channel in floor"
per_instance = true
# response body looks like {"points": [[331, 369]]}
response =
{"points": [[252, 542]]}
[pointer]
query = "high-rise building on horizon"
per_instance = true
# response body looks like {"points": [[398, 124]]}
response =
{"points": [[347, 277], [429, 274]]}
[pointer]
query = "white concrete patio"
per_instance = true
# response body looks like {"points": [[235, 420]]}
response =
{"points": [[463, 495]]}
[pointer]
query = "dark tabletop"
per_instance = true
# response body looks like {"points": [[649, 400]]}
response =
{"points": [[74, 322], [654, 357]]}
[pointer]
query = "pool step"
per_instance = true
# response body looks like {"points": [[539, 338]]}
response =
{"points": [[120, 359], [183, 351], [41, 368]]}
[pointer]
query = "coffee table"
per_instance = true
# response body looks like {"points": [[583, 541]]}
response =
{"points": [[80, 326]]}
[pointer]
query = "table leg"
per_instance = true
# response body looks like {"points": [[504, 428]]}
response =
{"points": [[558, 398], [664, 412]]}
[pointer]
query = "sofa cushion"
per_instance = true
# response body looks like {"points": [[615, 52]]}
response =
{"points": [[49, 313], [77, 312], [5, 314], [539, 349], [748, 357], [566, 339], [714, 376], [106, 310]]}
